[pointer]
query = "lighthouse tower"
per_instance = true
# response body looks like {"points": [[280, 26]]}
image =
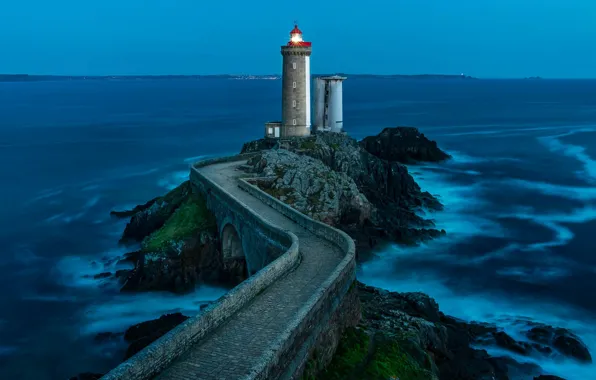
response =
{"points": [[295, 93], [329, 104]]}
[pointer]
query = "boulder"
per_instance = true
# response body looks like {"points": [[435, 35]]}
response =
{"points": [[311, 187], [404, 335], [563, 340], [148, 218], [181, 253], [387, 186], [403, 144], [143, 334]]}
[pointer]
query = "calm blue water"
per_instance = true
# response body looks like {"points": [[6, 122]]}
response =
{"points": [[519, 194]]}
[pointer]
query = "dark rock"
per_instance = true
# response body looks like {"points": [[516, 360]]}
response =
{"points": [[403, 144], [102, 275], [387, 185], [563, 340], [548, 377], [87, 376], [182, 267], [152, 215], [136, 209], [183, 252], [311, 187], [505, 341], [143, 334], [122, 275], [258, 145], [107, 337]]}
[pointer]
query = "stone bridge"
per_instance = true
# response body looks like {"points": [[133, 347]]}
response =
{"points": [[299, 297]]}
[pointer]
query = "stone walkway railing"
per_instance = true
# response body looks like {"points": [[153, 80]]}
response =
{"points": [[288, 351], [151, 360]]}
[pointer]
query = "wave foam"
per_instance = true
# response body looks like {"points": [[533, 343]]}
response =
{"points": [[554, 144], [125, 310]]}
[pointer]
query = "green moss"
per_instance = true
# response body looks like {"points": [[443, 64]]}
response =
{"points": [[351, 353], [390, 361], [334, 146], [189, 219], [360, 356]]}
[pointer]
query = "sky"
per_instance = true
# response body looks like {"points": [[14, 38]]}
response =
{"points": [[482, 38]]}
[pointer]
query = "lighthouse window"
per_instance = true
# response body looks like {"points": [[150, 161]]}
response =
{"points": [[293, 103], [293, 65], [294, 121], [294, 84]]}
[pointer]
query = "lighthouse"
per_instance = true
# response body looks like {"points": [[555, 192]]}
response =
{"points": [[329, 104], [295, 93]]}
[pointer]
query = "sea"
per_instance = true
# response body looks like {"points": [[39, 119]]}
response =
{"points": [[519, 196]]}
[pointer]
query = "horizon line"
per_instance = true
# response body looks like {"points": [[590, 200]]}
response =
{"points": [[279, 75]]}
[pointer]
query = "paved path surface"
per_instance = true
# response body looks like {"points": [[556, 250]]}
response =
{"points": [[231, 351]]}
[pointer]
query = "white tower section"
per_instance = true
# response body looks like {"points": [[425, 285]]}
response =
{"points": [[329, 104]]}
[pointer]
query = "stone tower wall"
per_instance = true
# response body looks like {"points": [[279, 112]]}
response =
{"points": [[299, 55]]}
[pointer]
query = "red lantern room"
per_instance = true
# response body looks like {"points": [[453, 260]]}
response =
{"points": [[296, 38]]}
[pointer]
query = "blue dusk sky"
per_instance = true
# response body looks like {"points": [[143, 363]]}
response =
{"points": [[484, 38]]}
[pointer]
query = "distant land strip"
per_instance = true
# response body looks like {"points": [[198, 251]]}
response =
{"points": [[37, 78]]}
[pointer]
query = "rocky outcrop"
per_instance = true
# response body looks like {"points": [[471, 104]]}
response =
{"points": [[387, 185], [311, 187], [179, 246], [137, 336], [562, 340], [403, 144], [143, 334], [87, 376], [405, 336], [151, 216], [258, 145]]}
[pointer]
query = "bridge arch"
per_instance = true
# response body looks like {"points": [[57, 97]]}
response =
{"points": [[231, 244]]}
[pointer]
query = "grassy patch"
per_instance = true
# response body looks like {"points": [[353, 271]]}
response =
{"points": [[359, 356], [390, 361], [351, 353], [334, 146], [190, 218]]}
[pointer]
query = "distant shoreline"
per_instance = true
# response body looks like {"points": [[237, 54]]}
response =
{"points": [[38, 78]]}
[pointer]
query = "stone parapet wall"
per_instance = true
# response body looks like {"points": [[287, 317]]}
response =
{"points": [[157, 356], [289, 353]]}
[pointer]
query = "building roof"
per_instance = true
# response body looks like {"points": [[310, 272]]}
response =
{"points": [[333, 77], [298, 43]]}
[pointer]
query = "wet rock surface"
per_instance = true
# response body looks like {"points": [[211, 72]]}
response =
{"points": [[433, 345], [311, 187], [137, 337], [562, 340], [151, 216], [143, 334], [405, 145], [179, 246], [387, 186]]}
